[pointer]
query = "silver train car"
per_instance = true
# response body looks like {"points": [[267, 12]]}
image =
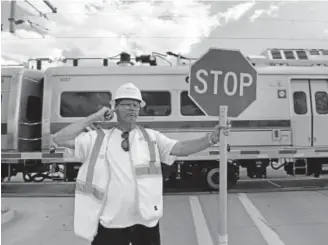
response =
{"points": [[289, 129]]}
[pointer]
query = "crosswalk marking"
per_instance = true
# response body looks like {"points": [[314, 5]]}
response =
{"points": [[268, 234], [202, 232]]}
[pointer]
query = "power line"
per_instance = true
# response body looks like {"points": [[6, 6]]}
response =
{"points": [[167, 16], [14, 20], [175, 37], [52, 7], [35, 8], [292, 20]]}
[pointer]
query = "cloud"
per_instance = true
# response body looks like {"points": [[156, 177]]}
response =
{"points": [[272, 11], [99, 28], [105, 28], [237, 11]]}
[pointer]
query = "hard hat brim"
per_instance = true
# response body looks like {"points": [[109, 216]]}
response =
{"points": [[142, 102]]}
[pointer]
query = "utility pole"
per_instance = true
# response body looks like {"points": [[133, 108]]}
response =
{"points": [[12, 16]]}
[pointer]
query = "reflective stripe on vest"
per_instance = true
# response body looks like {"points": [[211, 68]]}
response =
{"points": [[152, 169], [141, 171], [80, 187], [87, 186]]}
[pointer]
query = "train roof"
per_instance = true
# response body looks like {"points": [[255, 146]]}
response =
{"points": [[179, 70], [272, 61], [8, 71]]}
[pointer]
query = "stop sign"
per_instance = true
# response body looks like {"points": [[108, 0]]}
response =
{"points": [[223, 77]]}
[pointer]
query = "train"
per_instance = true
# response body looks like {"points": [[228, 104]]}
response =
{"points": [[286, 127]]}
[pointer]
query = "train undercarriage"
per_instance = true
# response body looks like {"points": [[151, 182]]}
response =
{"points": [[193, 173]]}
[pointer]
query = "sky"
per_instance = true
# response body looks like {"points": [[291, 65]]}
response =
{"points": [[100, 28]]}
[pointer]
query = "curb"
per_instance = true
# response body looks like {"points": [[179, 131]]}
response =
{"points": [[7, 216]]}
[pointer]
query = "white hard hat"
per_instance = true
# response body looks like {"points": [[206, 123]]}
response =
{"points": [[128, 91]]}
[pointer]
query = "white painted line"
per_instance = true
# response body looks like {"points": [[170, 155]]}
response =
{"points": [[268, 234], [272, 183], [202, 232]]}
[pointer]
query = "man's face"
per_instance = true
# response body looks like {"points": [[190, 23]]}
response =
{"points": [[127, 110]]}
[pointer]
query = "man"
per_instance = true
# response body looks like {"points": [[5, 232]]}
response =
{"points": [[131, 210]]}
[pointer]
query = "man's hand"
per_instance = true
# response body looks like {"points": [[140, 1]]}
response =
{"points": [[215, 136], [104, 114], [187, 147]]}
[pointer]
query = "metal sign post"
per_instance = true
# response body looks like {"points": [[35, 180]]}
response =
{"points": [[223, 231], [225, 78]]}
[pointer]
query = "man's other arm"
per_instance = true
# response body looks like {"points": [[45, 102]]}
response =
{"points": [[187, 147]]}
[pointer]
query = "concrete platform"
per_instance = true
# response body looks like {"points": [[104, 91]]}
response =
{"points": [[282, 218]]}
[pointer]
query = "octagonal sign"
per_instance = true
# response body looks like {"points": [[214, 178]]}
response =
{"points": [[223, 77]]}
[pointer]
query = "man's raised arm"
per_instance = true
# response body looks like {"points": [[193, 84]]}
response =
{"points": [[66, 136]]}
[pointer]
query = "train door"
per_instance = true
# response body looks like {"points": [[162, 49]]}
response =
{"points": [[30, 115], [309, 112], [319, 96], [5, 91], [301, 113]]}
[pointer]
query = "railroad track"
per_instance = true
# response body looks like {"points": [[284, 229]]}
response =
{"points": [[66, 189]]}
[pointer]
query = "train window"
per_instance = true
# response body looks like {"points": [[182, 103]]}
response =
{"points": [[301, 55], [321, 102], [34, 109], [83, 104], [300, 103], [158, 103], [314, 52], [188, 107], [276, 54], [289, 55]]}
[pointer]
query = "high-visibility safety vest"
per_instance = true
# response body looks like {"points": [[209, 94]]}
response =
{"points": [[94, 176]]}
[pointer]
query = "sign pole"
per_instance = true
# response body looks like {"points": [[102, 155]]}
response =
{"points": [[215, 85], [223, 233]]}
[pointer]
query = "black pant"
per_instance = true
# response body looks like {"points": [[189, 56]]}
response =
{"points": [[137, 235]]}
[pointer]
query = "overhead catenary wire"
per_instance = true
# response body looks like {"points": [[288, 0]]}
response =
{"points": [[16, 20], [292, 21], [173, 37], [35, 8], [177, 16], [37, 25], [172, 16]]}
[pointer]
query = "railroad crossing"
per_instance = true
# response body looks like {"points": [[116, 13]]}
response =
{"points": [[258, 212], [273, 218]]}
